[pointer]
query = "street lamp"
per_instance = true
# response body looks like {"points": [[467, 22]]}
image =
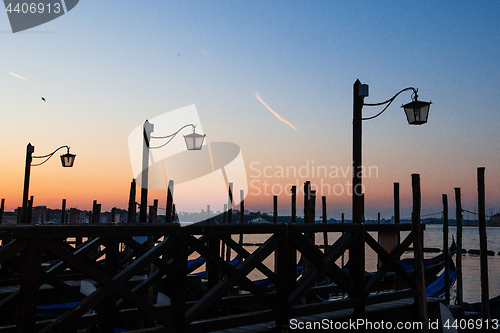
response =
{"points": [[67, 161], [417, 113], [194, 141]]}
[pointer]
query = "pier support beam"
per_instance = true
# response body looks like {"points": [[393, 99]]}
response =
{"points": [[420, 298]]}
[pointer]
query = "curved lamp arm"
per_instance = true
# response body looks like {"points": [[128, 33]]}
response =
{"points": [[170, 137], [48, 156], [389, 101]]}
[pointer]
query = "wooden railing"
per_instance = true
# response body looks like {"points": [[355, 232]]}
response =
{"points": [[40, 267]]}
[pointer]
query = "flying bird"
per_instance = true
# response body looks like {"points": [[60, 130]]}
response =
{"points": [[43, 99]]}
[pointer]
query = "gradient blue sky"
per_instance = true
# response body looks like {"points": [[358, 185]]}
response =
{"points": [[106, 66]]}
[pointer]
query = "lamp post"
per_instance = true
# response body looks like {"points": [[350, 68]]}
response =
{"points": [[67, 161], [416, 112], [194, 141]]}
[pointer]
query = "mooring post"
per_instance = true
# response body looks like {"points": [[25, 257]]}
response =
{"points": [[178, 307], [230, 203], [483, 247], [418, 253], [63, 211], [31, 259], [459, 217], [96, 212], [324, 217], [111, 268], [2, 206], [131, 216], [223, 245], [242, 218], [30, 210], [229, 217], [170, 200], [343, 221], [275, 209], [153, 212], [286, 270], [294, 203], [397, 280], [446, 251], [208, 214]]}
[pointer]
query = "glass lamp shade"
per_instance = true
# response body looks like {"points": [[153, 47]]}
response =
{"points": [[194, 141], [67, 160], [417, 112]]}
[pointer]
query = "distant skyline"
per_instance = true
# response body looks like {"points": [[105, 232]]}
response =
{"points": [[105, 67]]}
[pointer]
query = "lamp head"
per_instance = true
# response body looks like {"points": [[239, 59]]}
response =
{"points": [[417, 111], [194, 141], [68, 159]]}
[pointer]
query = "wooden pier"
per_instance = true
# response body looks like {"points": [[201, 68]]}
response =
{"points": [[39, 267]]}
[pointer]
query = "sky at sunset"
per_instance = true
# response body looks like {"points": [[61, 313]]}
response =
{"points": [[273, 77]]}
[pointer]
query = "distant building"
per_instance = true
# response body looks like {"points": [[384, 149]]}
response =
{"points": [[495, 219]]}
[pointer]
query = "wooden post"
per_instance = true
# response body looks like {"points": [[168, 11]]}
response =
{"points": [[230, 203], [170, 200], [418, 253], [153, 212], [131, 217], [213, 271], [2, 207], [30, 210], [223, 245], [178, 307], [325, 221], [343, 221], [63, 211], [294, 204], [396, 203], [113, 215], [286, 269], [31, 258], [96, 212], [459, 217], [483, 247], [397, 280], [275, 209], [143, 211], [446, 251], [229, 217], [242, 218], [378, 218], [111, 268]]}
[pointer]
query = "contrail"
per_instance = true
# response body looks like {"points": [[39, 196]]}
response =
{"points": [[277, 115], [18, 76]]}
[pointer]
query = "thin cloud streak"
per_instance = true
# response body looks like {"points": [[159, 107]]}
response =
{"points": [[277, 115], [18, 76]]}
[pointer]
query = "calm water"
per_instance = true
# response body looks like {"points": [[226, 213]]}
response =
{"points": [[433, 237]]}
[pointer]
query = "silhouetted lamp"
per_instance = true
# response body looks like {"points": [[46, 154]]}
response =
{"points": [[417, 111], [67, 160], [194, 141]]}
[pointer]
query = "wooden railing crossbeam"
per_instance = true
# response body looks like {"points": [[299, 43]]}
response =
{"points": [[390, 261], [245, 254], [235, 275], [327, 265]]}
